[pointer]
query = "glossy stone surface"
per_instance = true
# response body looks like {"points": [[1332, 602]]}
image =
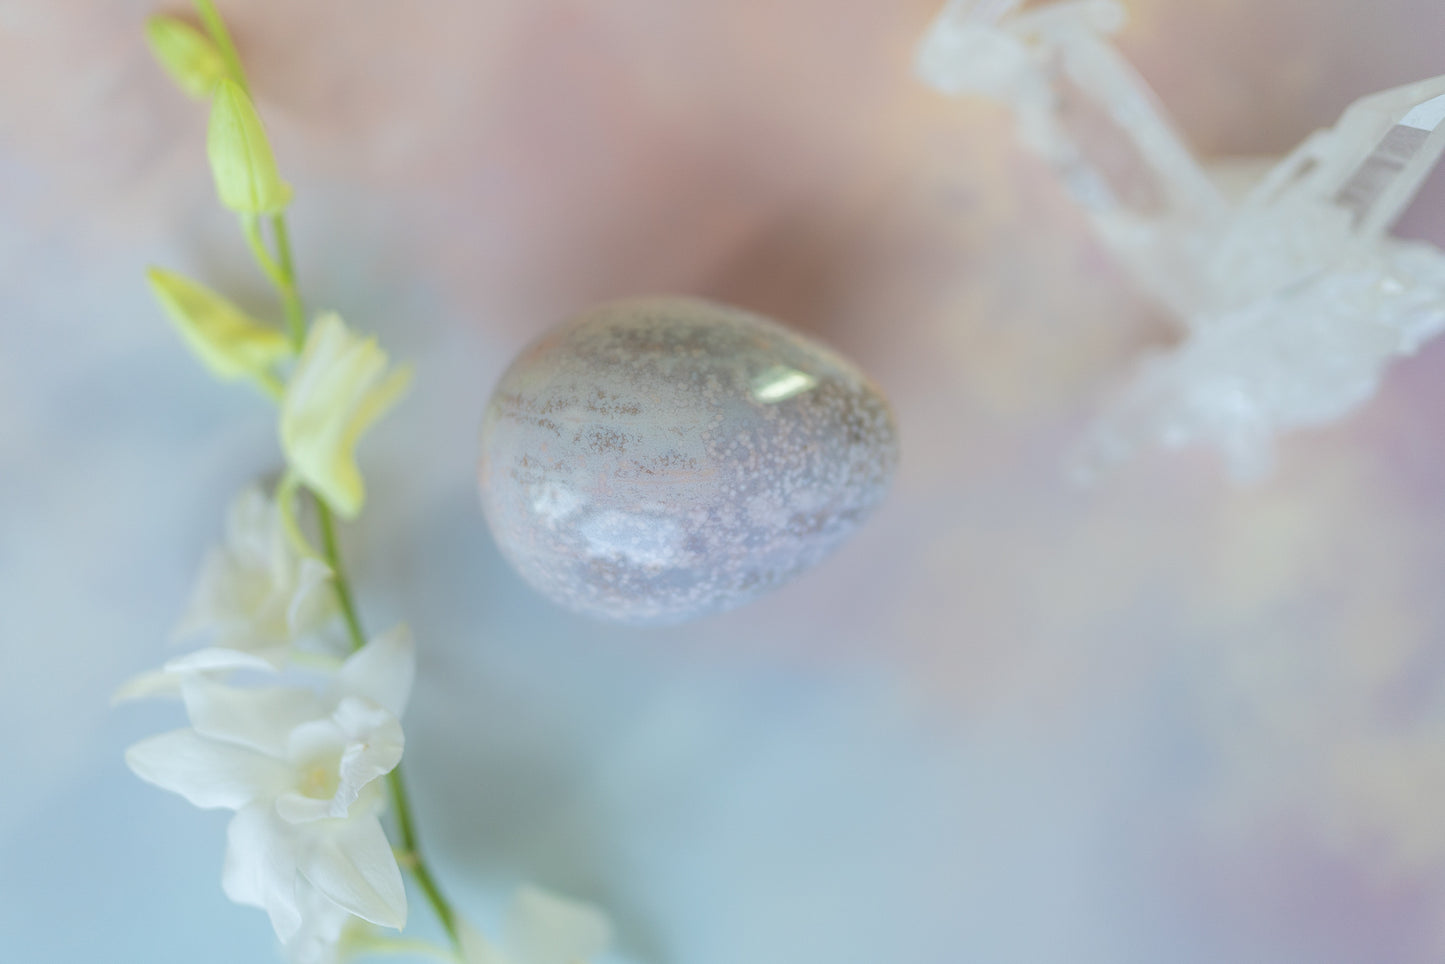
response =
{"points": [[657, 460]]}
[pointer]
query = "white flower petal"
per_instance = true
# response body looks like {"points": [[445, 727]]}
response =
{"points": [[352, 863], [251, 528], [359, 743], [296, 807], [374, 751], [261, 868], [215, 659], [383, 670], [544, 928], [261, 718], [312, 599], [167, 680], [314, 740], [207, 773], [148, 685], [208, 608]]}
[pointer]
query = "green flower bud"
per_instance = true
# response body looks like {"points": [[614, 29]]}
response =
{"points": [[187, 55], [241, 159], [228, 341]]}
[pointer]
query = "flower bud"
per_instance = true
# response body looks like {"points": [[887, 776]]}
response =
{"points": [[241, 160], [228, 341], [187, 55]]}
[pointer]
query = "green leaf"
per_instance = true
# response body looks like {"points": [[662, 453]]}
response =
{"points": [[188, 55], [229, 342], [241, 159]]}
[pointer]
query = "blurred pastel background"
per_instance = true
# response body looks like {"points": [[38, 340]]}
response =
{"points": [[1164, 720]]}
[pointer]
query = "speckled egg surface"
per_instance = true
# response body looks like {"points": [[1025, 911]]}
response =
{"points": [[657, 460]]}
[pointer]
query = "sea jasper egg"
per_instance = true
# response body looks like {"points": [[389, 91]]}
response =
{"points": [[660, 459]]}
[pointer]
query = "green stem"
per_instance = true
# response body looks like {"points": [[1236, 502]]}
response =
{"points": [[407, 828], [283, 245], [290, 296], [419, 868], [286, 492], [332, 554], [252, 229], [281, 274]]}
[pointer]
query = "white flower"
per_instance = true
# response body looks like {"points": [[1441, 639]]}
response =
{"points": [[255, 597], [302, 771], [542, 928], [258, 593], [339, 387]]}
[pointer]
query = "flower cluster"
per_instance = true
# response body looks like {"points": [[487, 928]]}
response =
{"points": [[302, 767], [295, 715]]}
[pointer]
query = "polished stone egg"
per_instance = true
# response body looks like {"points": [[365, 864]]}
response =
{"points": [[657, 460]]}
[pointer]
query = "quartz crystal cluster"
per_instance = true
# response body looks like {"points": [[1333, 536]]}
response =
{"points": [[1292, 301]]}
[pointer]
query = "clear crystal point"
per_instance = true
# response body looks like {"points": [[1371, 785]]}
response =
{"points": [[1380, 186], [1333, 199]]}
